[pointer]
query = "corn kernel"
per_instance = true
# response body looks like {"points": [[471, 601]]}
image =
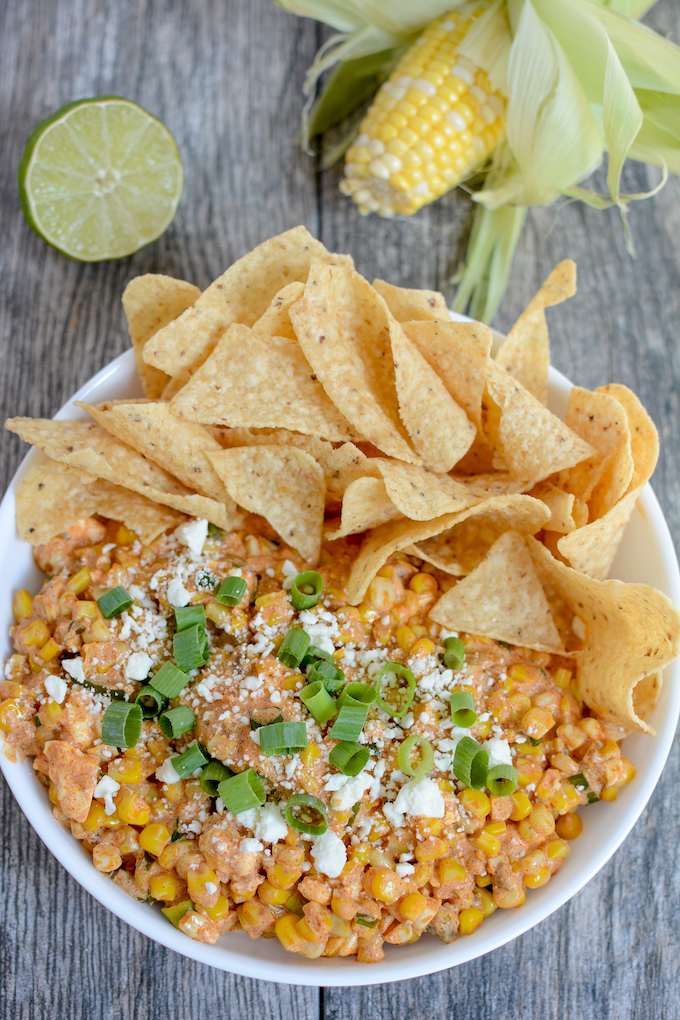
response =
{"points": [[488, 902], [423, 584], [126, 770], [98, 819], [36, 634], [198, 878], [405, 638], [487, 843], [609, 793], [133, 809], [283, 877], [79, 582], [450, 871], [49, 650], [386, 885], [563, 678], [272, 895], [469, 920], [536, 723], [431, 849], [538, 825], [287, 934], [124, 536], [22, 605], [310, 754], [521, 806], [422, 647], [536, 881], [11, 712], [476, 802], [153, 838], [558, 849], [106, 858], [164, 887], [418, 908]]}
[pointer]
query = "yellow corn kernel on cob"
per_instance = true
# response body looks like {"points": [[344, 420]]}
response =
{"points": [[430, 125]]}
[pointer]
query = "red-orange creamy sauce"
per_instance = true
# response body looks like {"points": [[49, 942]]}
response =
{"points": [[401, 856]]}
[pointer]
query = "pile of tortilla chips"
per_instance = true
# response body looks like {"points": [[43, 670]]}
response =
{"points": [[293, 389]]}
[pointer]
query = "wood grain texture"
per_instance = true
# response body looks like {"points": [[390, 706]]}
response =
{"points": [[225, 76]]}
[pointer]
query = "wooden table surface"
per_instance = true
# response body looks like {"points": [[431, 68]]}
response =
{"points": [[225, 76]]}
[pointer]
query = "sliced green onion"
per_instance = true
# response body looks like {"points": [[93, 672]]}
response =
{"points": [[212, 775], [592, 797], [330, 675], [122, 724], [294, 647], [462, 705], [307, 807], [534, 741], [426, 756], [242, 792], [579, 781], [306, 590], [313, 653], [502, 780], [283, 738], [357, 694], [150, 701], [231, 591], [176, 721], [272, 714], [189, 616], [169, 680], [177, 911], [454, 653], [349, 757], [366, 920], [190, 648], [114, 602], [350, 722], [470, 763], [318, 701], [188, 761], [405, 694]]}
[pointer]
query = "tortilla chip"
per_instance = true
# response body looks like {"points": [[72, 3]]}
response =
{"points": [[502, 599], [276, 320], [177, 446], [284, 485], [343, 326], [174, 385], [592, 549], [631, 632], [420, 495], [559, 503], [525, 354], [365, 505], [533, 442], [601, 420], [459, 549], [410, 305], [151, 302], [260, 381], [496, 515], [439, 428], [493, 484], [84, 445], [644, 438], [242, 294], [52, 497]]}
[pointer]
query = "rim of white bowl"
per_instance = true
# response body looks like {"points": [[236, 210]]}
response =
{"points": [[294, 969]]}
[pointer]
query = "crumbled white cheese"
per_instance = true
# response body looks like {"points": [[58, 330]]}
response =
{"points": [[139, 595], [57, 688], [404, 869], [193, 534], [166, 773], [290, 572], [266, 823], [210, 888], [329, 854], [321, 627], [138, 666], [419, 798], [250, 846], [351, 791], [498, 750], [74, 668], [177, 594], [106, 787]]}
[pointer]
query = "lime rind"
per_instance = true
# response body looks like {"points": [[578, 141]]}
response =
{"points": [[100, 179]]}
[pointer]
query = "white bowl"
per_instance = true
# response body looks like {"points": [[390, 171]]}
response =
{"points": [[646, 555]]}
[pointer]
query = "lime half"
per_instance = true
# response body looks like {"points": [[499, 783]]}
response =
{"points": [[100, 178]]}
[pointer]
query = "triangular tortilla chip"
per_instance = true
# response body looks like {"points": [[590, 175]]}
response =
{"points": [[409, 305], [533, 442], [525, 354], [284, 485], [592, 549], [276, 320], [242, 294], [631, 632], [493, 484], [439, 428], [601, 420], [644, 438], [365, 505], [260, 381], [84, 445], [52, 497], [150, 302], [502, 599], [559, 503], [420, 495], [343, 327]]}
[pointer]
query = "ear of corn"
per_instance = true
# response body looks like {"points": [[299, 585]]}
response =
{"points": [[430, 125]]}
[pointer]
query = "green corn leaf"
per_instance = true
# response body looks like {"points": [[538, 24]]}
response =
{"points": [[494, 237], [351, 84]]}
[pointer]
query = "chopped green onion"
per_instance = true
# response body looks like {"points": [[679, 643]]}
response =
{"points": [[212, 775], [283, 738], [295, 645], [188, 761], [318, 701], [242, 792], [189, 616], [592, 797], [150, 701], [122, 724], [534, 741], [306, 590], [308, 807], [113, 602], [231, 591], [462, 705], [504, 644], [169, 680], [176, 721], [330, 675], [176, 912], [426, 756], [357, 694], [313, 653], [502, 780], [349, 757], [393, 671], [470, 763], [579, 781], [454, 653], [350, 722], [268, 710], [366, 921], [190, 648], [296, 903]]}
